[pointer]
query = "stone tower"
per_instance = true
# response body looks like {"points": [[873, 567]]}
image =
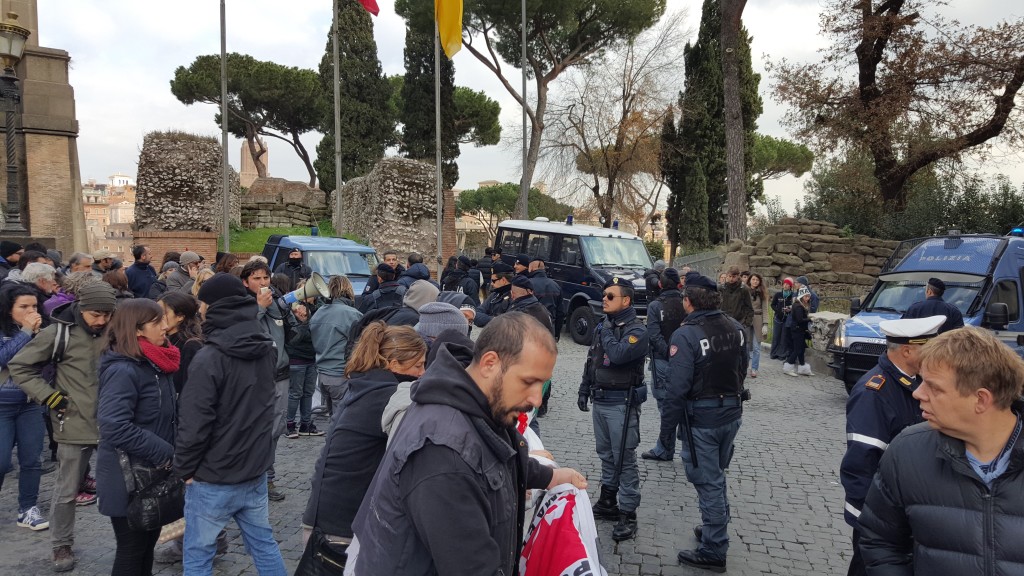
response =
{"points": [[47, 141], [248, 175]]}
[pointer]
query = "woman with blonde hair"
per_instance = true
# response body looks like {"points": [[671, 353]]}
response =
{"points": [[384, 357], [201, 277]]}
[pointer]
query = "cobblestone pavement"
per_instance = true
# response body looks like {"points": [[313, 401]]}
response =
{"points": [[784, 490]]}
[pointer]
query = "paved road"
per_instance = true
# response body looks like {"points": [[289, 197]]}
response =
{"points": [[784, 490]]}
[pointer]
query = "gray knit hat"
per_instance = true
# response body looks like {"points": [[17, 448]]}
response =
{"points": [[436, 317], [97, 297], [419, 293]]}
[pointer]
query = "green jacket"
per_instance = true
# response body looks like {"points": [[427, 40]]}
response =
{"points": [[77, 375]]}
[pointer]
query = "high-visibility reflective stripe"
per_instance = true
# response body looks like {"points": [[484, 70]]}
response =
{"points": [[852, 510], [867, 440]]}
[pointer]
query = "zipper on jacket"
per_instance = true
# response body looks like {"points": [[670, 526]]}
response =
{"points": [[988, 531]]}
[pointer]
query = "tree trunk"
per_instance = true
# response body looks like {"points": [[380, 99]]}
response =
{"points": [[732, 12], [257, 149]]}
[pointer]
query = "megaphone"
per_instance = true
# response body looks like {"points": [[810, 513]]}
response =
{"points": [[313, 287]]}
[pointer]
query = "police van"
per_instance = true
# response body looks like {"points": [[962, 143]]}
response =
{"points": [[580, 259], [983, 274], [325, 255]]}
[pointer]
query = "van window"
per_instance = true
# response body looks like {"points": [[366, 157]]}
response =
{"points": [[604, 251], [570, 252], [1006, 292], [511, 240], [539, 245]]}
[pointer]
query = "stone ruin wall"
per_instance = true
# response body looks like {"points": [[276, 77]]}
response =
{"points": [[276, 202], [179, 184], [394, 207]]}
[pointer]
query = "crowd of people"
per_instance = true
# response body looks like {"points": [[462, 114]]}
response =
{"points": [[196, 372]]}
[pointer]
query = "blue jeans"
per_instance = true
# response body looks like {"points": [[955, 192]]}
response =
{"points": [[754, 341], [608, 419], [209, 507], [666, 444], [22, 424], [302, 384], [714, 448]]}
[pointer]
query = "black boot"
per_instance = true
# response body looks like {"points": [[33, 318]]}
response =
{"points": [[626, 528], [607, 506]]}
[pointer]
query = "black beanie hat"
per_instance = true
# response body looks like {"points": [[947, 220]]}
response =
{"points": [[7, 248], [221, 285]]}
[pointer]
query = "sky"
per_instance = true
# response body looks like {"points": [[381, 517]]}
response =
{"points": [[124, 52]]}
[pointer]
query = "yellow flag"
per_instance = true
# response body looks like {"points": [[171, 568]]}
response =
{"points": [[449, 25]]}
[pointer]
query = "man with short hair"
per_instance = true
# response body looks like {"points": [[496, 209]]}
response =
{"points": [[417, 270], [72, 398], [141, 275], [879, 407], [548, 292], [10, 253], [226, 420], [500, 299], [294, 268], [182, 278], [664, 316], [390, 258], [934, 305], [79, 262], [389, 292], [736, 299], [614, 378], [449, 496], [275, 319], [103, 261], [947, 495], [707, 367]]}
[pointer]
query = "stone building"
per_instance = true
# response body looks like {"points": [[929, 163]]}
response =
{"points": [[109, 211]]}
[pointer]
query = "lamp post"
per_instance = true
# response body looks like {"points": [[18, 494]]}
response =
{"points": [[12, 46]]}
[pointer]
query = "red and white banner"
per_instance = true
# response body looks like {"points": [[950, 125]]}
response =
{"points": [[561, 539]]}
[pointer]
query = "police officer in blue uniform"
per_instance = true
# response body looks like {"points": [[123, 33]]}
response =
{"points": [[500, 299], [934, 305], [880, 406], [664, 316], [707, 367], [614, 379]]}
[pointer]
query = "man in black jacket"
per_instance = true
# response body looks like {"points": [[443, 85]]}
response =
{"points": [[294, 268], [548, 292], [389, 291], [448, 498], [225, 418], [664, 316], [947, 496], [500, 299]]}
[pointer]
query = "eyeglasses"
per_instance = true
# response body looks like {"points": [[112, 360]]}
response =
{"points": [[609, 296], [494, 278]]}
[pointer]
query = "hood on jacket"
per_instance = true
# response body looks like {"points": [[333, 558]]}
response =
{"points": [[111, 358], [232, 328], [363, 383], [419, 271], [447, 382]]}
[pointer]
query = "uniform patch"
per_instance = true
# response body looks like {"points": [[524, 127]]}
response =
{"points": [[672, 350], [906, 382], [875, 382], [632, 339]]}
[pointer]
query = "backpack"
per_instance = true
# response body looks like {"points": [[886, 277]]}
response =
{"points": [[381, 314]]}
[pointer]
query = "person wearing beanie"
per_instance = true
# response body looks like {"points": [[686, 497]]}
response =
{"points": [[419, 293], [803, 282], [524, 301], [798, 329], [72, 400], [294, 268], [782, 304], [436, 317], [226, 417], [548, 292], [10, 253], [522, 264]]}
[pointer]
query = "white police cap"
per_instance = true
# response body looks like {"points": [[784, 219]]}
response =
{"points": [[911, 330]]}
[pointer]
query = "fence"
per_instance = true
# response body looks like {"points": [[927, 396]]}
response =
{"points": [[707, 263]]}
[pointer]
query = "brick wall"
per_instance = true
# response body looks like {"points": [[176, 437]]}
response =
{"points": [[161, 241]]}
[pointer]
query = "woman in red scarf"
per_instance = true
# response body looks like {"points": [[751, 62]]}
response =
{"points": [[136, 416]]}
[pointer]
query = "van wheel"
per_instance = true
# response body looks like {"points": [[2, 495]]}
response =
{"points": [[581, 325]]}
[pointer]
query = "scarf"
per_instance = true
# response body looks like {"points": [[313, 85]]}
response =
{"points": [[165, 358]]}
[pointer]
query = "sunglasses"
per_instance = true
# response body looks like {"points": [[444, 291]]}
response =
{"points": [[494, 278], [609, 296]]}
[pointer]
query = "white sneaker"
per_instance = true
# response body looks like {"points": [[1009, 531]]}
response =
{"points": [[804, 370], [32, 519], [788, 369]]}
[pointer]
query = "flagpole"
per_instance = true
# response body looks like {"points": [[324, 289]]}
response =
{"points": [[437, 138], [225, 179], [337, 116]]}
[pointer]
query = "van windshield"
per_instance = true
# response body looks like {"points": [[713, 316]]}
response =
{"points": [[615, 252], [328, 263], [899, 295]]}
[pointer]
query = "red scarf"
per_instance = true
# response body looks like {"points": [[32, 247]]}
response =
{"points": [[165, 358]]}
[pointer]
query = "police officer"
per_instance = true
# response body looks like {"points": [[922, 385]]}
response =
{"points": [[880, 406], [664, 315], [934, 305], [707, 365], [500, 298], [548, 292], [613, 377], [524, 300], [522, 264]]}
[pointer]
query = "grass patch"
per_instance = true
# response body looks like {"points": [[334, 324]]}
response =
{"points": [[244, 240]]}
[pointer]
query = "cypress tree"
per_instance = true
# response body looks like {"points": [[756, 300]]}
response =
{"points": [[417, 112], [367, 125]]}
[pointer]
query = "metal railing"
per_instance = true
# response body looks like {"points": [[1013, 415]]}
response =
{"points": [[707, 263]]}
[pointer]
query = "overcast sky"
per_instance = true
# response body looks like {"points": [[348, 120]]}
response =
{"points": [[124, 52]]}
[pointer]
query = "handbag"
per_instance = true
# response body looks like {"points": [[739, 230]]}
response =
{"points": [[322, 557], [155, 497]]}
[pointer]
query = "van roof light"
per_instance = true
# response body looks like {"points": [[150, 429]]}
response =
{"points": [[541, 219]]}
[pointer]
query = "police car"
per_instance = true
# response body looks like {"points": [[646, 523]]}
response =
{"points": [[983, 275]]}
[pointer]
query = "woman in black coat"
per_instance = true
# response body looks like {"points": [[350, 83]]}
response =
{"points": [[136, 415], [184, 330], [384, 356], [798, 327]]}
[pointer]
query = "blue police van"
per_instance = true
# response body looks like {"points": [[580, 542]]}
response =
{"points": [[326, 255], [983, 274], [580, 259]]}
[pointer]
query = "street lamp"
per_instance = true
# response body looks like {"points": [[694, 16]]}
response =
{"points": [[12, 46], [725, 214]]}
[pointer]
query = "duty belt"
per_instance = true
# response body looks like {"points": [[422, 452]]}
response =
{"points": [[717, 402], [610, 396]]}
